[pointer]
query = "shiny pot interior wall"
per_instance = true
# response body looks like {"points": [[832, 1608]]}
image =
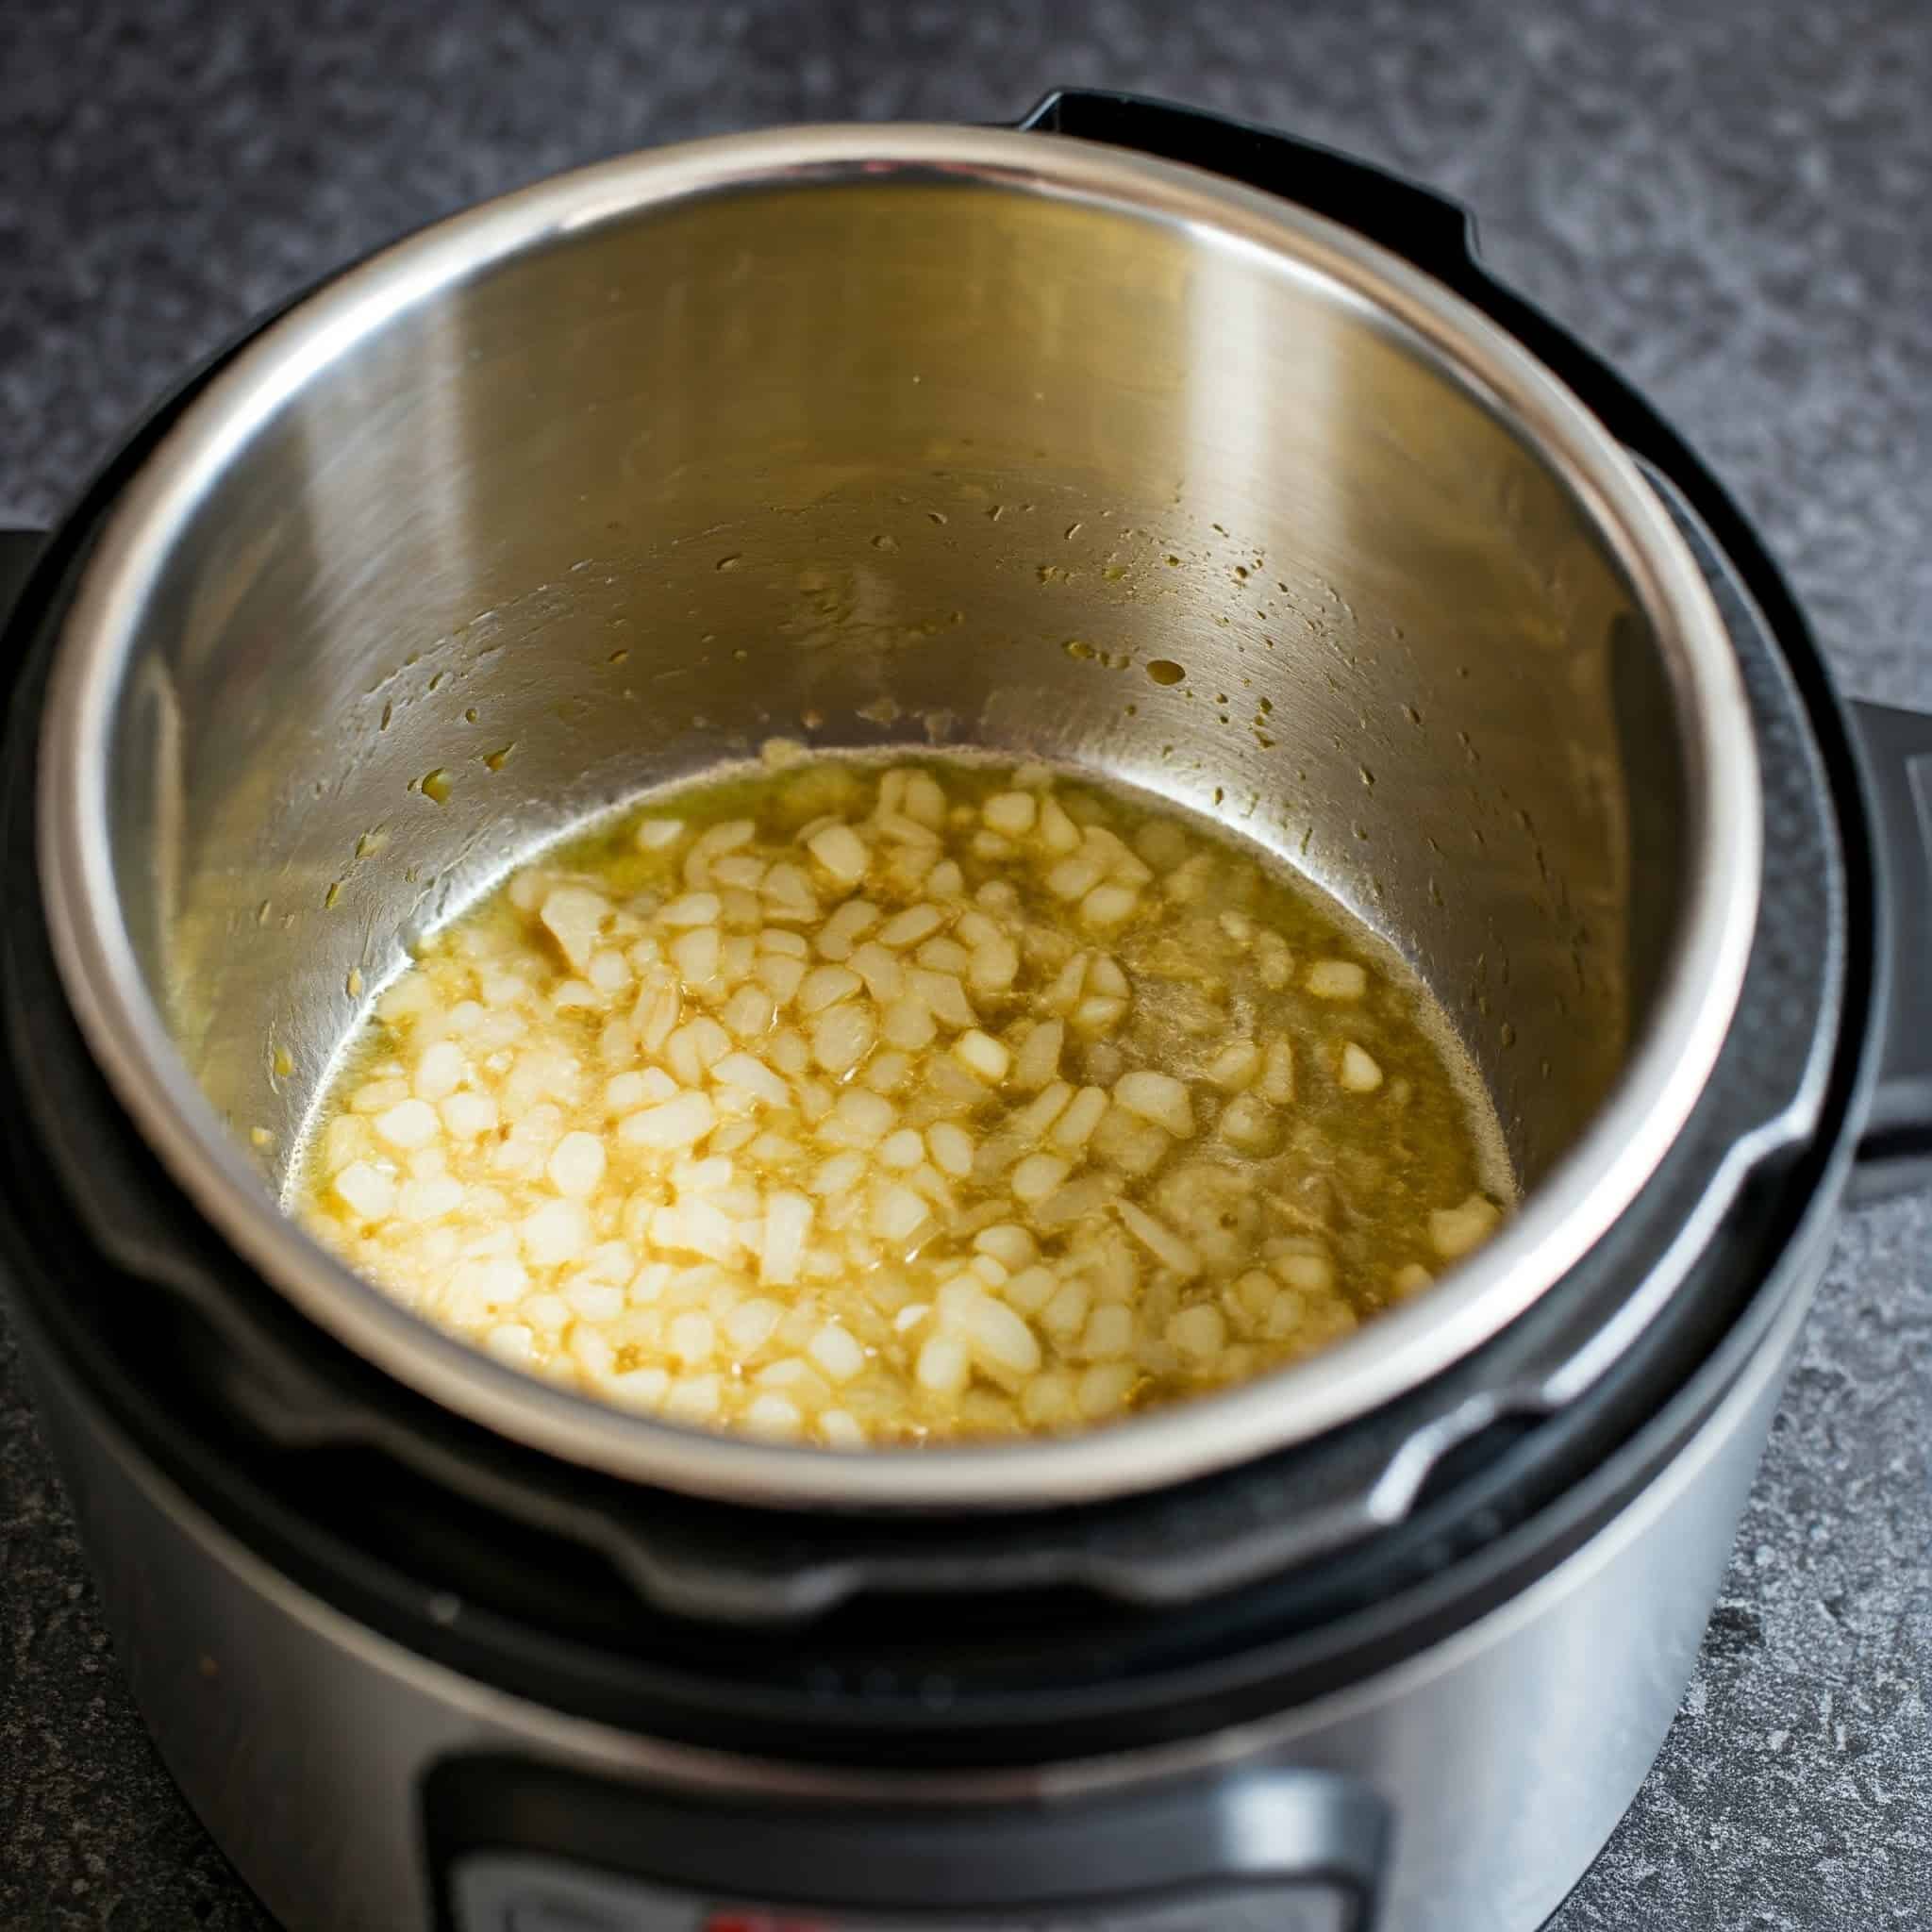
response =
{"points": [[870, 460]]}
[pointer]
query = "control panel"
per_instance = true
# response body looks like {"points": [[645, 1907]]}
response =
{"points": [[520, 1847]]}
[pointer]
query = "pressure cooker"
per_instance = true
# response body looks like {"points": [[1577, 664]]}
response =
{"points": [[850, 434]]}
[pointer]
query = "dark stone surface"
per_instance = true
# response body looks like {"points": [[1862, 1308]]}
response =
{"points": [[1733, 201]]}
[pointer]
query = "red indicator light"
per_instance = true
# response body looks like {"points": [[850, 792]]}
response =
{"points": [[760, 1922]]}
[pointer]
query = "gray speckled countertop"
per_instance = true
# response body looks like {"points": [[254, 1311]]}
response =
{"points": [[1733, 201]]}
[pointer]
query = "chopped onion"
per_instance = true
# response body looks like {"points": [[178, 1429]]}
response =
{"points": [[714, 1136]]}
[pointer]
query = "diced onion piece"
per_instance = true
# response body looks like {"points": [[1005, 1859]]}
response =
{"points": [[1359, 1073], [1235, 1067], [1006, 1241], [659, 835], [696, 955], [1057, 832], [1109, 1333], [465, 1116], [659, 1002], [1096, 1016], [1337, 979], [1038, 1175], [595, 1301], [825, 986], [898, 1213], [749, 1012], [692, 1338], [577, 1165], [788, 892], [1064, 993], [1074, 878], [367, 1191], [1034, 1118], [1103, 1388], [1031, 1289], [1066, 1313], [440, 1071], [1074, 1202], [1108, 906], [573, 916], [945, 1365], [786, 1225], [943, 996], [999, 1339], [842, 851], [1200, 1333], [1157, 1097], [981, 1054], [843, 1036], [679, 1123], [835, 1351], [907, 929], [643, 1388], [410, 1124], [1457, 1231], [1249, 1125], [908, 1024], [512, 1343], [751, 1323], [609, 972], [693, 909], [1160, 1240], [555, 1232], [1038, 1058], [992, 966], [781, 975], [952, 1148], [1010, 814], [1075, 1127], [837, 937], [924, 800], [750, 1075], [693, 1399], [1312, 1273]]}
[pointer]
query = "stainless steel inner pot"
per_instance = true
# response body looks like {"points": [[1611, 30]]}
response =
{"points": [[898, 435]]}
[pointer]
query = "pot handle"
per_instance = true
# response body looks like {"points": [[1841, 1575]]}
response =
{"points": [[1896, 1152]]}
